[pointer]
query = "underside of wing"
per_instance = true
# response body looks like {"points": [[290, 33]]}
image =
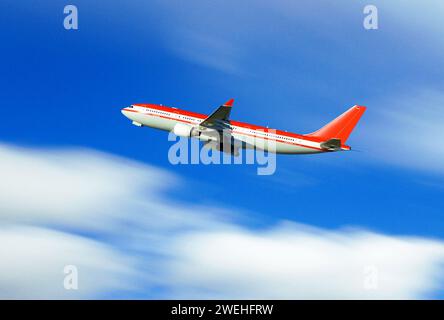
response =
{"points": [[228, 144]]}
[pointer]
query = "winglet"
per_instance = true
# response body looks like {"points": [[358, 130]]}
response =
{"points": [[229, 103]]}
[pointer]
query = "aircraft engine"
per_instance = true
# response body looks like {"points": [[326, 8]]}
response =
{"points": [[184, 130]]}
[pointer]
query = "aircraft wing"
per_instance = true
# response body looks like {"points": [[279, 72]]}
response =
{"points": [[219, 119]]}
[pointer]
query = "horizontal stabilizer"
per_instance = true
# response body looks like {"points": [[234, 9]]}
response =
{"points": [[331, 145]]}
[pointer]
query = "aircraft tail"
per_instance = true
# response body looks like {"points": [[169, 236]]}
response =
{"points": [[341, 127]]}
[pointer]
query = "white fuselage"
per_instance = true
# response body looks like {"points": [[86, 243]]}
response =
{"points": [[166, 118]]}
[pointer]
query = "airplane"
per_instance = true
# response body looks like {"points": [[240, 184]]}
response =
{"points": [[220, 133]]}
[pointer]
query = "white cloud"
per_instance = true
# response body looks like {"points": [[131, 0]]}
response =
{"points": [[47, 194], [75, 187], [89, 190], [33, 261], [299, 263], [127, 231]]}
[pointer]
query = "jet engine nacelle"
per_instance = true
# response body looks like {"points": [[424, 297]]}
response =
{"points": [[184, 130]]}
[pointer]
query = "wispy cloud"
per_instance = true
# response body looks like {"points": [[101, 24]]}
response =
{"points": [[210, 51], [406, 130], [249, 37], [112, 219]]}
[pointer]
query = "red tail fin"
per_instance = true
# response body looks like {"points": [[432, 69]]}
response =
{"points": [[342, 126]]}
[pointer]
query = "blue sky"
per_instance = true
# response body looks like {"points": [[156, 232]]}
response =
{"points": [[291, 66]]}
